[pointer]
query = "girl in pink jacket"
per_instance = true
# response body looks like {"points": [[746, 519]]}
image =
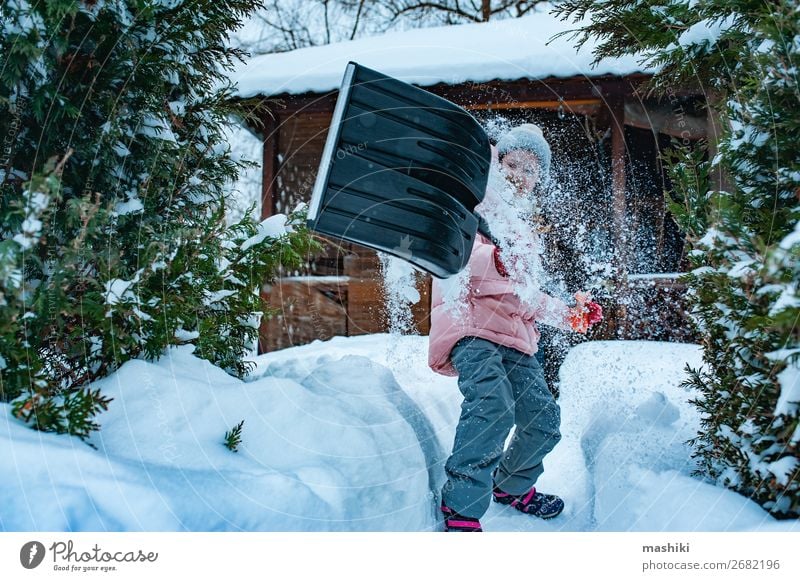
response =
{"points": [[487, 336]]}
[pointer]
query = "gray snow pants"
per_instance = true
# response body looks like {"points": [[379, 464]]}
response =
{"points": [[501, 387]]}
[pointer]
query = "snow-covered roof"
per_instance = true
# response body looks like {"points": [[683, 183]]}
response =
{"points": [[504, 49]]}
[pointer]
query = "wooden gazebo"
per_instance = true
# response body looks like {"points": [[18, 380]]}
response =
{"points": [[593, 113]]}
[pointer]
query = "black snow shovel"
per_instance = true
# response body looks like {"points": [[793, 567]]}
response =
{"points": [[402, 172]]}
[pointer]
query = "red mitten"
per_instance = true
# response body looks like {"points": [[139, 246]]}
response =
{"points": [[595, 313], [585, 313]]}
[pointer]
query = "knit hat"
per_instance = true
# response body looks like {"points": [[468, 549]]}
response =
{"points": [[527, 136]]}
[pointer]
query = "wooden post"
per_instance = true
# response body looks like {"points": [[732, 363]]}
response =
{"points": [[616, 106], [486, 10], [269, 167]]}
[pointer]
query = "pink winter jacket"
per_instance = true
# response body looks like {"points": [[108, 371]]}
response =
{"points": [[493, 312]]}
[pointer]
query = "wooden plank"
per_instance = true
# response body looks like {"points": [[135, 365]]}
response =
{"points": [[302, 138], [570, 105], [269, 167], [366, 307], [616, 107], [551, 88], [307, 310], [362, 267], [660, 118]]}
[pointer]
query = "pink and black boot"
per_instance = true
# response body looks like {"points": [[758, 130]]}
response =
{"points": [[454, 522], [532, 502]]}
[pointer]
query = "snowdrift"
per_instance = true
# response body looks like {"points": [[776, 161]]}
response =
{"points": [[352, 434]]}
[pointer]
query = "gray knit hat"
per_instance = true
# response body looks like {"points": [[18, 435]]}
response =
{"points": [[527, 136]]}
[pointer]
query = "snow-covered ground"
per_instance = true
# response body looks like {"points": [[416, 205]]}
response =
{"points": [[352, 434]]}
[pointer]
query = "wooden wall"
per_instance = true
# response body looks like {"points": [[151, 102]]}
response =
{"points": [[308, 308]]}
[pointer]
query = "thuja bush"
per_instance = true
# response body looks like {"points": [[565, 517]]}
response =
{"points": [[113, 177]]}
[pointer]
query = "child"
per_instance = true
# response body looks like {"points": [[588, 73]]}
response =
{"points": [[490, 345]]}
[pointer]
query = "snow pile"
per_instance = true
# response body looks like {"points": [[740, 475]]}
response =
{"points": [[628, 420], [352, 434], [500, 49], [325, 448]]}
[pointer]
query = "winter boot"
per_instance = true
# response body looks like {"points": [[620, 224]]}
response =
{"points": [[532, 502], [454, 522]]}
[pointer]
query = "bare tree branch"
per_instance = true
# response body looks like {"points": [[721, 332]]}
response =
{"points": [[357, 19], [428, 6], [327, 23], [291, 24]]}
